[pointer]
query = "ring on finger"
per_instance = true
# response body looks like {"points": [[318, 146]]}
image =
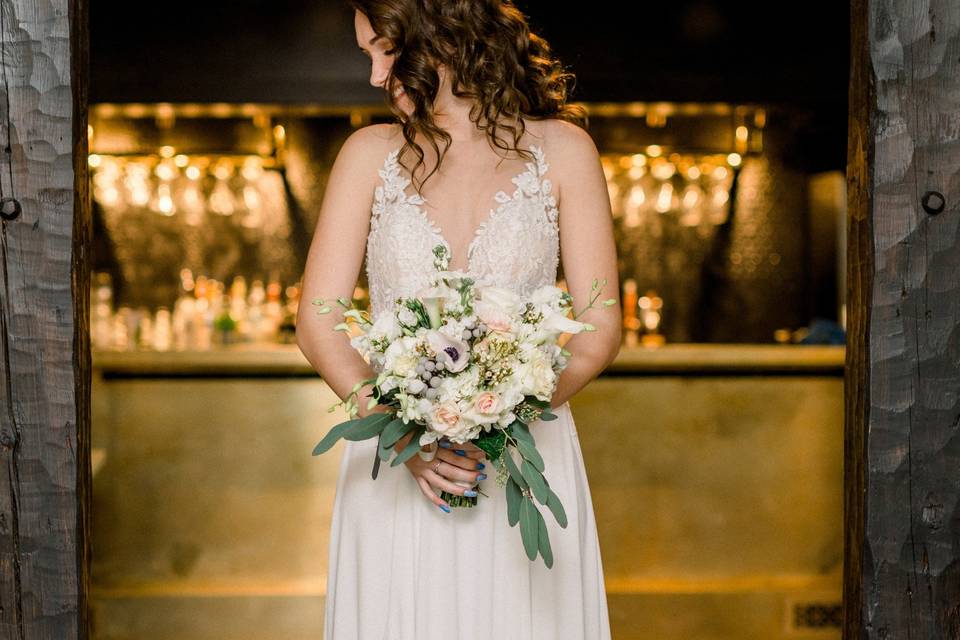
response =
{"points": [[436, 467]]}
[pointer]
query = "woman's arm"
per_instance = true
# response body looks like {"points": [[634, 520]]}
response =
{"points": [[335, 259], [588, 252]]}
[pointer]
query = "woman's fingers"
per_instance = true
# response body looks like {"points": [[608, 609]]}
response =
{"points": [[464, 462], [438, 481], [457, 473], [465, 449], [428, 492]]}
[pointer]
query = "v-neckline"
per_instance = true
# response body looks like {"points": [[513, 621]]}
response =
{"points": [[417, 200]]}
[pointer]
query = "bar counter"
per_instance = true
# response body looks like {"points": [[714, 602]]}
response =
{"points": [[715, 470], [286, 359]]}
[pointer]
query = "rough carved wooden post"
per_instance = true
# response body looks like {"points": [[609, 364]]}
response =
{"points": [[902, 576], [44, 377]]}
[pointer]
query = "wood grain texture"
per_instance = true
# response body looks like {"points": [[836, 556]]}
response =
{"points": [[44, 414], [905, 285], [860, 150]]}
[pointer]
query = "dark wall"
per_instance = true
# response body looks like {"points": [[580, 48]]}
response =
{"points": [[295, 51]]}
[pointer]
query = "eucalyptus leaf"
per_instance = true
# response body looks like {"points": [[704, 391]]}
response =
{"points": [[384, 452], [411, 449], [335, 434], [520, 431], [546, 415], [514, 469], [376, 466], [543, 541], [556, 508], [394, 431], [529, 529], [535, 480], [369, 426], [529, 452], [514, 496]]}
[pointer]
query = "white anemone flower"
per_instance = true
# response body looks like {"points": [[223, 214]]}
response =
{"points": [[454, 353]]}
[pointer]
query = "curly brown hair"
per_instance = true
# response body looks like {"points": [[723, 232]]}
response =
{"points": [[492, 57]]}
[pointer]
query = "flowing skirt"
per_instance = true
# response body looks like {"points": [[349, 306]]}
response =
{"points": [[402, 569]]}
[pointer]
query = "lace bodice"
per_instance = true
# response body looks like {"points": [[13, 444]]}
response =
{"points": [[516, 247]]}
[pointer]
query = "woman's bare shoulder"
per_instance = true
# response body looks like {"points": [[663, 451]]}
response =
{"points": [[370, 143], [568, 145], [570, 153]]}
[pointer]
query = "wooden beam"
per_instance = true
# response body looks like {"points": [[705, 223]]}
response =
{"points": [[902, 575], [859, 280], [44, 344]]}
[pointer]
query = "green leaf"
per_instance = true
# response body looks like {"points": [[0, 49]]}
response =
{"points": [[529, 452], [335, 434], [520, 431], [376, 466], [556, 508], [537, 402], [492, 443], [514, 496], [394, 431], [529, 529], [411, 449], [546, 415], [369, 426], [384, 452], [514, 469], [543, 541], [535, 480]]}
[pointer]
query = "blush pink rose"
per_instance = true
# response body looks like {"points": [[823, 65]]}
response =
{"points": [[487, 402], [500, 324], [494, 317], [445, 417]]}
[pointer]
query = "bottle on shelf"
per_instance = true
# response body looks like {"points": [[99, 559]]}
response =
{"points": [[631, 323], [651, 305], [101, 311]]}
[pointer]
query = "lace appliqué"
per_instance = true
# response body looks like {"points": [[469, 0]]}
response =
{"points": [[516, 247]]}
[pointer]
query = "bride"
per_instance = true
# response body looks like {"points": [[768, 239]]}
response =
{"points": [[514, 191]]}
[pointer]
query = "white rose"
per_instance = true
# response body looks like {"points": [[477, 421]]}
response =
{"points": [[401, 358], [537, 376], [504, 299]]}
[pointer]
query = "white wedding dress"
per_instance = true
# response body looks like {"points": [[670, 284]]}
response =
{"points": [[399, 567]]}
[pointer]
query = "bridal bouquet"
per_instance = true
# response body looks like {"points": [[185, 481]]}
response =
{"points": [[468, 362]]}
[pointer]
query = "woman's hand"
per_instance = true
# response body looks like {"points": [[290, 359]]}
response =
{"points": [[363, 397], [453, 467]]}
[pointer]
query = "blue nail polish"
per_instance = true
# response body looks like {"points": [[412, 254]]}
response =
{"points": [[460, 452], [480, 465], [444, 507], [482, 476], [445, 444], [470, 493]]}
